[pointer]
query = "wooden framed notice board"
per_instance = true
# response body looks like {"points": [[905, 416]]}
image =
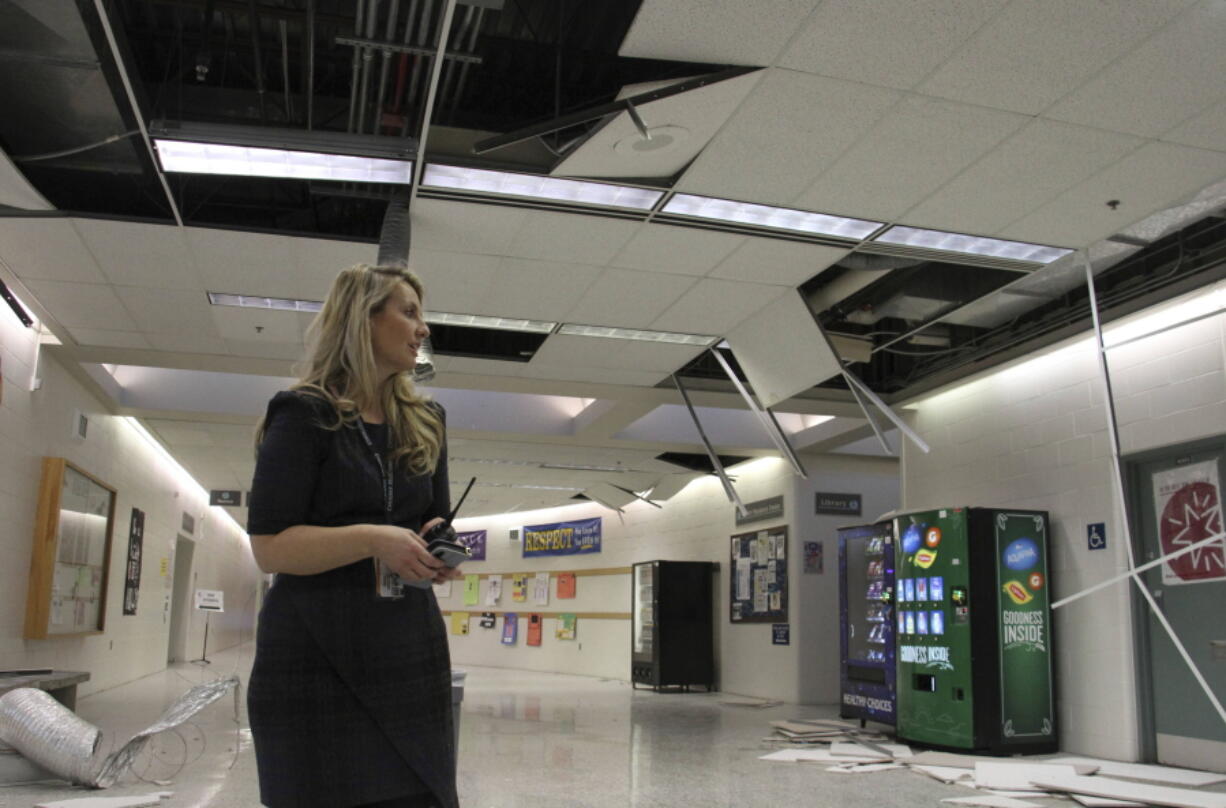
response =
{"points": [[759, 578], [70, 563]]}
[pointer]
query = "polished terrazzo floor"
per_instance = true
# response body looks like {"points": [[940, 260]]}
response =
{"points": [[527, 740]]}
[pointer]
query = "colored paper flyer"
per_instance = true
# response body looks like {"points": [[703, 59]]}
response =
{"points": [[566, 584], [534, 629], [566, 626], [472, 589], [510, 628], [459, 622], [519, 588]]}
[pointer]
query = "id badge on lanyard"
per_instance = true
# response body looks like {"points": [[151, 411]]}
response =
{"points": [[388, 585]]}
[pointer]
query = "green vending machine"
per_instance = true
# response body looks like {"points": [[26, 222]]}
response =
{"points": [[974, 630]]}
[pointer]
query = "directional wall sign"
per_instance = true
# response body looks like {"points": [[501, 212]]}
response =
{"points": [[228, 498]]}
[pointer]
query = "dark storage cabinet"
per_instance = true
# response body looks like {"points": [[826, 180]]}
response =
{"points": [[671, 639]]}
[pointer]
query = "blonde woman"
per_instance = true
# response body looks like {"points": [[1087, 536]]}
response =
{"points": [[350, 693]]}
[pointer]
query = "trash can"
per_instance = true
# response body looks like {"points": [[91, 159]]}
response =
{"points": [[457, 696]]}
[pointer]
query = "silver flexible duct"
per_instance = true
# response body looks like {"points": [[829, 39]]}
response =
{"points": [[51, 735], [394, 252]]}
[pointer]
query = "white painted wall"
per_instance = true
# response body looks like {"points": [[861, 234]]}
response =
{"points": [[695, 525], [36, 424], [1033, 435]]}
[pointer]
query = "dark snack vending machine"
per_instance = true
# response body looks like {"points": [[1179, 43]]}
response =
{"points": [[866, 611], [672, 640], [974, 630]]}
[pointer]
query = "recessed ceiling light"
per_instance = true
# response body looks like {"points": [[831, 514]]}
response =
{"points": [[971, 245], [254, 302], [535, 186], [578, 330], [800, 221], [191, 157], [576, 467], [444, 318], [498, 323]]}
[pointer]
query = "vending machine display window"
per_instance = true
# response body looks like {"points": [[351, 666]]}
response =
{"points": [[936, 588]]}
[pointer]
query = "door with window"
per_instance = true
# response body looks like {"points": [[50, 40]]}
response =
{"points": [[1176, 502]]}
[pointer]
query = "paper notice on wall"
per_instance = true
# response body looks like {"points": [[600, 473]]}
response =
{"points": [[540, 589], [472, 589], [759, 590], [781, 547], [493, 590], [1188, 506], [442, 590], [744, 573]]}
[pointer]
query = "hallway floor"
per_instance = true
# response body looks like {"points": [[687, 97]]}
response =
{"points": [[527, 740]]}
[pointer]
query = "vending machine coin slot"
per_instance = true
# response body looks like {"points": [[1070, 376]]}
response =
{"points": [[926, 682]]}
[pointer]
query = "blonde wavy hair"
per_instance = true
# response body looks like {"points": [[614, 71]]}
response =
{"points": [[340, 367]]}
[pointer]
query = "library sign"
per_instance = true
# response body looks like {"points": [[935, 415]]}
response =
{"points": [[562, 538]]}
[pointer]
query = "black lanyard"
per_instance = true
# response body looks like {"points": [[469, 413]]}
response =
{"points": [[385, 471]]}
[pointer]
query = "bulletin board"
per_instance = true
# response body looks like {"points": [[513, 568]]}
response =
{"points": [[759, 579]]}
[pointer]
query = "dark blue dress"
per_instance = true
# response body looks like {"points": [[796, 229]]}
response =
{"points": [[350, 697]]}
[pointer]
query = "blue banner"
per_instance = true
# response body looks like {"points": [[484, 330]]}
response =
{"points": [[562, 538], [475, 542]]}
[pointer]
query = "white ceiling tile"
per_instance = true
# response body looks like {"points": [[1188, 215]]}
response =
{"points": [[891, 43], [1174, 76], [579, 373], [455, 282], [83, 305], [1031, 168], [1036, 51], [535, 290], [109, 339], [628, 298], [137, 254], [197, 342], [243, 263], [918, 146], [680, 125], [775, 261], [169, 311], [683, 250], [16, 191], [236, 323], [261, 349], [465, 226], [1204, 131], [1150, 179], [46, 249], [617, 354], [789, 130], [716, 306], [317, 261], [585, 239], [733, 32]]}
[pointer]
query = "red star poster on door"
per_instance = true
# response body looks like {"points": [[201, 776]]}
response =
{"points": [[1188, 502]]}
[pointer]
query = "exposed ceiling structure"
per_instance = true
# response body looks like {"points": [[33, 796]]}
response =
{"points": [[917, 171]]}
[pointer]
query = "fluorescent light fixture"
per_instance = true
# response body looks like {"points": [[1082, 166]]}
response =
{"points": [[191, 157], [800, 221], [578, 330], [254, 302], [576, 467], [535, 186], [444, 318], [534, 487], [498, 323], [971, 245]]}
